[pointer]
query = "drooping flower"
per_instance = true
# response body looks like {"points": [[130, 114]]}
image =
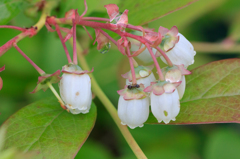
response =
{"points": [[165, 103], [177, 47], [75, 89], [133, 106], [143, 74], [175, 74]]}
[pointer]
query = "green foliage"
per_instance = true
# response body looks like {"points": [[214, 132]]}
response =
{"points": [[212, 95], [142, 11], [9, 9], [44, 127], [222, 144]]}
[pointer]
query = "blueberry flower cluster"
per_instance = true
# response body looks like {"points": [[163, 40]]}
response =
{"points": [[162, 95]]}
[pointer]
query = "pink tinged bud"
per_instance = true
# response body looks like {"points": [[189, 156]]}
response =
{"points": [[75, 89], [112, 10], [182, 53], [181, 87], [103, 42], [165, 107], [170, 37], [123, 20], [70, 14], [133, 112]]}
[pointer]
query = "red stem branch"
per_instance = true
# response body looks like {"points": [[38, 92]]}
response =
{"points": [[169, 62], [40, 71], [64, 45], [161, 77], [134, 81], [95, 18], [13, 27], [109, 37], [74, 42]]}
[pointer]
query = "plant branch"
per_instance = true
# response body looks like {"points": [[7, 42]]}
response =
{"points": [[134, 81], [109, 106], [13, 27], [161, 77], [40, 71], [49, 5]]}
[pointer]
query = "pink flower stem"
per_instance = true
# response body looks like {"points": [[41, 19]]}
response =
{"points": [[64, 45], [13, 27], [161, 77], [95, 18], [74, 43], [134, 81], [40, 71], [109, 37], [129, 26], [28, 32], [169, 62], [93, 24]]}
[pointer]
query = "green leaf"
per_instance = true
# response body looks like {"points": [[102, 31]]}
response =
{"points": [[212, 95], [9, 9], [93, 6], [49, 130], [142, 11]]}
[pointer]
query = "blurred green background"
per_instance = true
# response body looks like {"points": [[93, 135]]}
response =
{"points": [[202, 21]]}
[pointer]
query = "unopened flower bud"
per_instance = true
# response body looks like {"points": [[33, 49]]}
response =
{"points": [[75, 89]]}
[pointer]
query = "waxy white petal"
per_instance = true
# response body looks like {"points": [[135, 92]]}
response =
{"points": [[181, 87], [182, 53], [75, 91], [165, 107], [133, 112]]}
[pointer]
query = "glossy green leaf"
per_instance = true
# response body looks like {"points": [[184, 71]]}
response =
{"points": [[212, 95], [9, 9], [182, 18], [44, 127], [142, 11], [93, 6]]}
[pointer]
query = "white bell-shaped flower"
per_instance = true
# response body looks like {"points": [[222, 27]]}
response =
{"points": [[75, 89], [146, 81], [165, 107], [133, 106], [165, 103], [133, 112], [182, 53]]}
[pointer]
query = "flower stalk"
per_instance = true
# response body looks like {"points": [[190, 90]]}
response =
{"points": [[160, 74], [109, 106]]}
